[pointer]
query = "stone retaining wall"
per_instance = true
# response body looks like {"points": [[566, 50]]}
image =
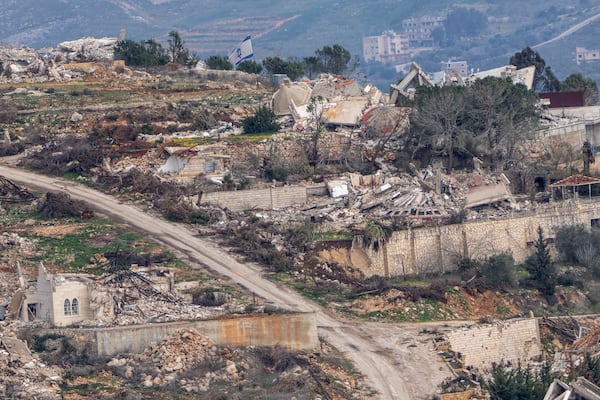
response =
{"points": [[515, 341], [262, 199], [437, 249]]}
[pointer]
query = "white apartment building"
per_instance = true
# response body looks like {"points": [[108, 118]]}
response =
{"points": [[388, 48], [583, 54], [420, 30], [455, 68]]}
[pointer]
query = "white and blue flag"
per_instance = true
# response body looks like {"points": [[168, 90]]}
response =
{"points": [[242, 52]]}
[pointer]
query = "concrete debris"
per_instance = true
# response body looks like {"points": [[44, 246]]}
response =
{"points": [[24, 376], [84, 49], [337, 189], [406, 87], [385, 122], [289, 96], [581, 389], [69, 60], [125, 297], [426, 196], [523, 76], [338, 101], [346, 112], [185, 350], [188, 163], [488, 194], [76, 117]]}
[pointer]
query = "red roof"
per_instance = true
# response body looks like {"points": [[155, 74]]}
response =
{"points": [[573, 98], [576, 180]]}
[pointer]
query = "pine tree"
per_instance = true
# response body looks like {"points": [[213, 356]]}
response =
{"points": [[540, 266]]}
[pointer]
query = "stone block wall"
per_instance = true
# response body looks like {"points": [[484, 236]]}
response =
{"points": [[574, 134], [262, 199], [437, 249], [515, 341], [331, 145]]}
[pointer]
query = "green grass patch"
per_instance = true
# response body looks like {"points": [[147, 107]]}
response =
{"points": [[249, 138], [322, 293], [74, 250], [192, 141], [86, 388], [422, 311], [331, 236]]}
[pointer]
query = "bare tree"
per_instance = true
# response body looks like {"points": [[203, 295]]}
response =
{"points": [[437, 120]]}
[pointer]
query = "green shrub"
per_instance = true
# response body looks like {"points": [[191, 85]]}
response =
{"points": [[219, 63], [261, 122], [145, 53], [569, 239], [577, 245], [250, 66], [498, 271]]}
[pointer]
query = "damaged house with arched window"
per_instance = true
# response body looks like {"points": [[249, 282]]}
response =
{"points": [[60, 299], [65, 299]]}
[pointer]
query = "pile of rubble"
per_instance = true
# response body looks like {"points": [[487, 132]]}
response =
{"points": [[148, 310], [84, 49], [24, 376], [128, 298], [173, 358], [418, 199], [328, 99], [69, 60]]}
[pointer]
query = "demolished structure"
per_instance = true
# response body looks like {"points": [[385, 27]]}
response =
{"points": [[581, 389], [337, 101], [123, 297]]}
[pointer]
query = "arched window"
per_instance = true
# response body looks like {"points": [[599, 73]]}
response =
{"points": [[75, 307], [67, 307]]}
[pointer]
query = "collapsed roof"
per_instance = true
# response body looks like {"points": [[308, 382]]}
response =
{"points": [[418, 77], [523, 76], [344, 100], [296, 94]]}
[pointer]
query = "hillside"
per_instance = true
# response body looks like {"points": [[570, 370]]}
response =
{"points": [[296, 29]]}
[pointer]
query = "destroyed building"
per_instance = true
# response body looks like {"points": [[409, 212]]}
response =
{"points": [[337, 101], [59, 299], [187, 163], [122, 297]]}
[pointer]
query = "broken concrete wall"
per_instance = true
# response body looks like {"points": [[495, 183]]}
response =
{"points": [[437, 249], [515, 341], [263, 199], [290, 331]]}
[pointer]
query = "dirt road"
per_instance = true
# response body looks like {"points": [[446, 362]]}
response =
{"points": [[396, 359], [569, 31]]}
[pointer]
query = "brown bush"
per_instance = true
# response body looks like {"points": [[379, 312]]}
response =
{"points": [[61, 205]]}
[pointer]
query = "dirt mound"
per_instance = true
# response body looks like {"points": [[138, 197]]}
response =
{"points": [[460, 304]]}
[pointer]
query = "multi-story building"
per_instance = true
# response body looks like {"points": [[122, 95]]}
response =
{"points": [[453, 68], [420, 30], [583, 54], [388, 48]]}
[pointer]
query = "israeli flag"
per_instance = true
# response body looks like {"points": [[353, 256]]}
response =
{"points": [[242, 52]]}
